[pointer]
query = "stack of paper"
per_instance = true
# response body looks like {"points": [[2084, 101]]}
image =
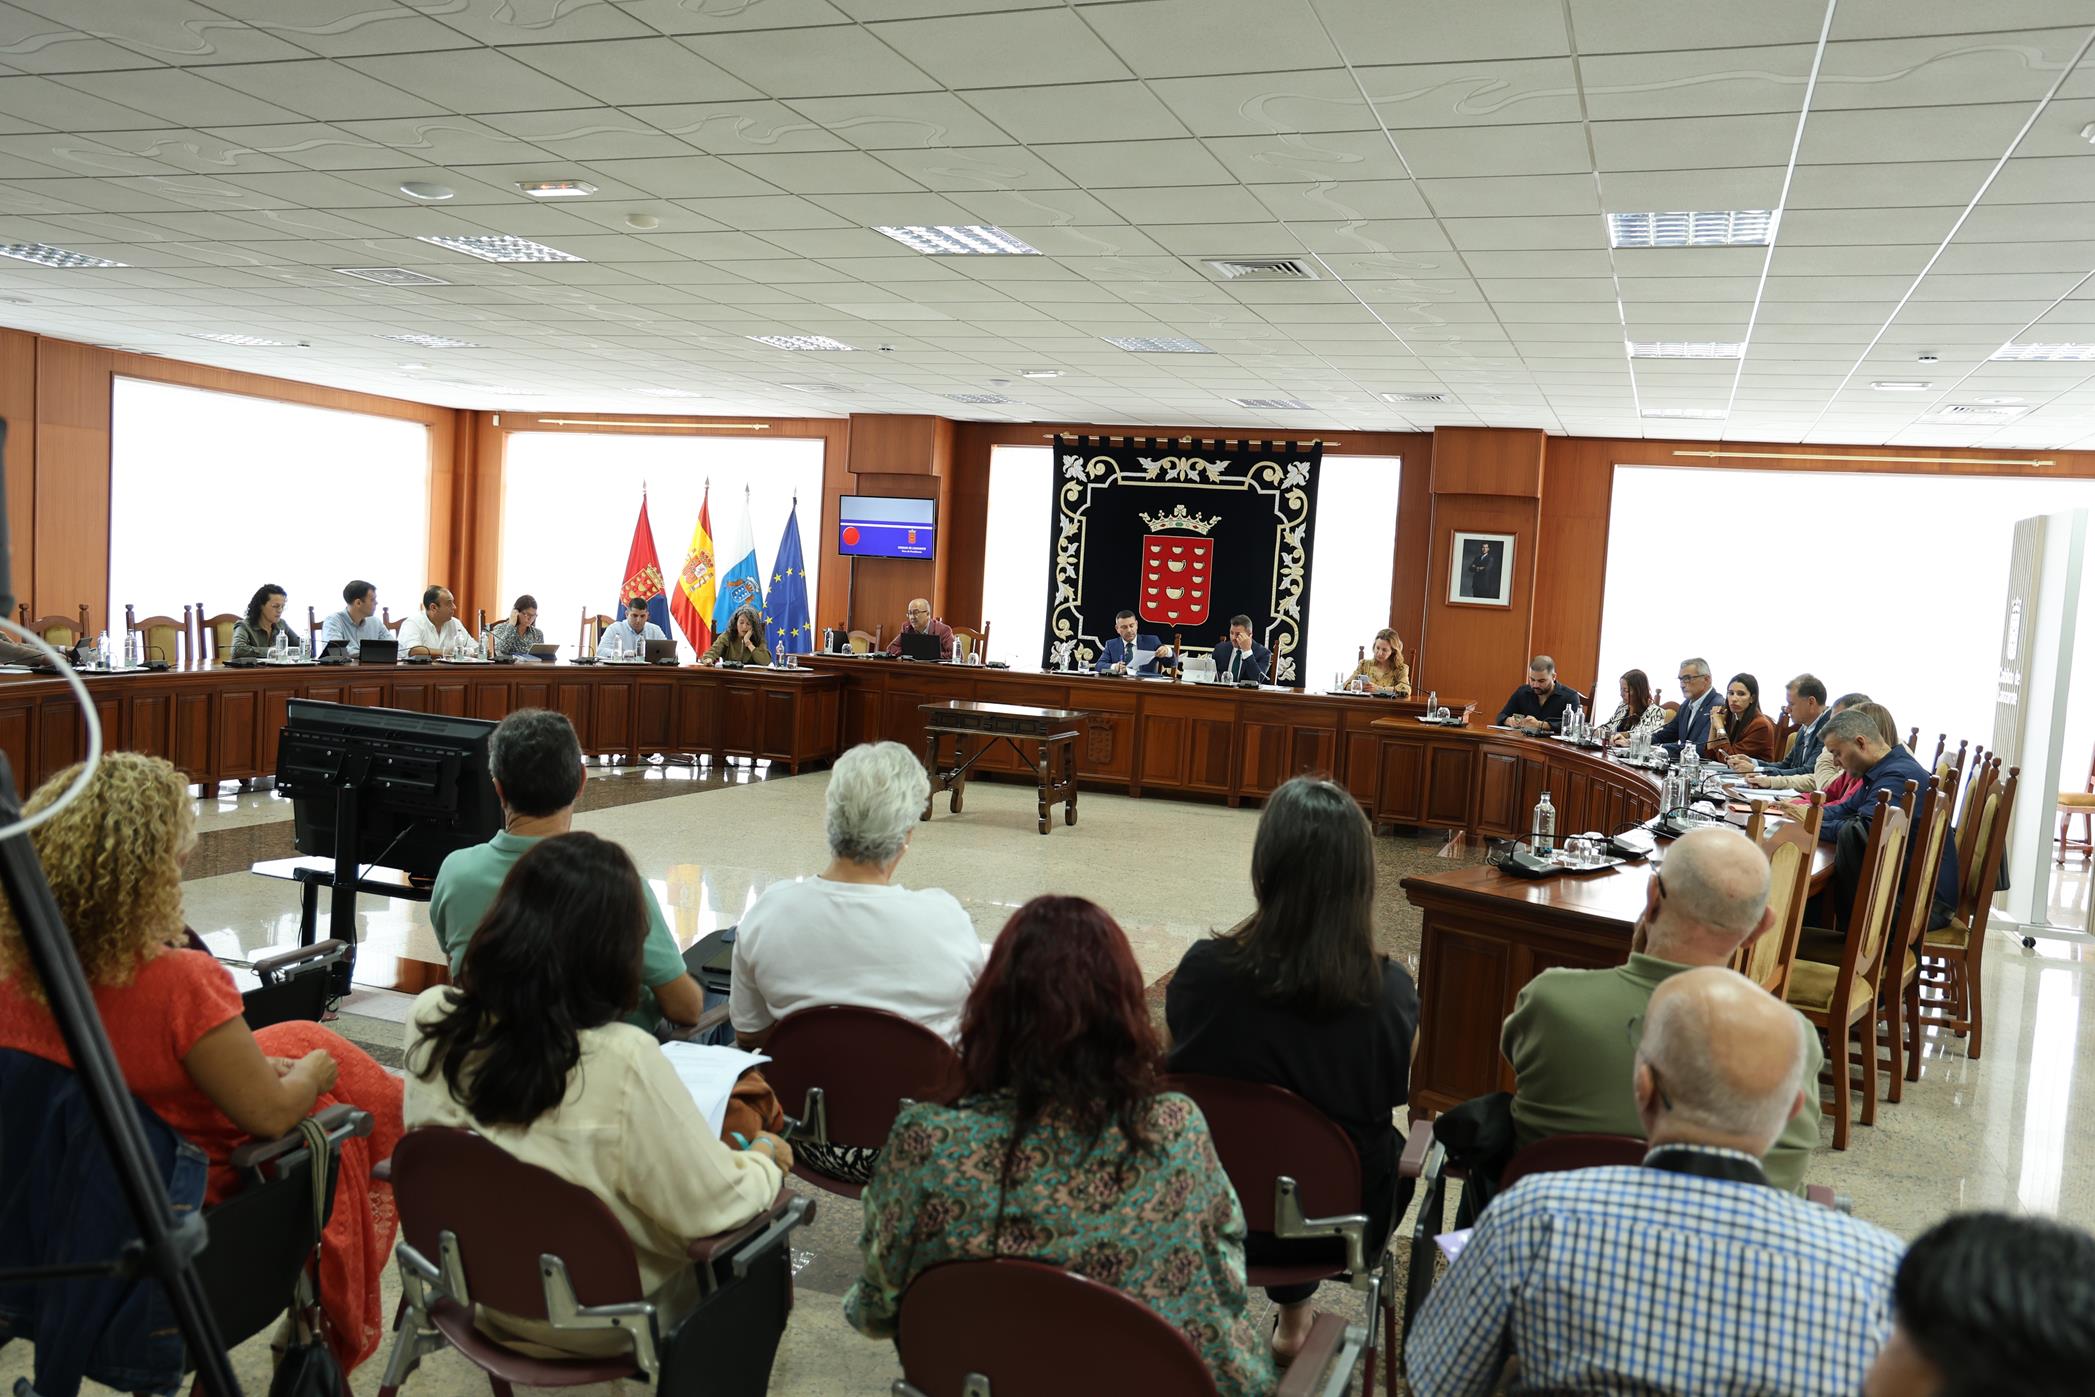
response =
{"points": [[708, 1072]]}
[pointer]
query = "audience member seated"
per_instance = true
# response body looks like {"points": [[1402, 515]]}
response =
{"points": [[1989, 1302], [741, 643], [1062, 1149], [1844, 783], [1540, 704], [919, 620], [436, 631], [114, 860], [1690, 722], [851, 934], [1637, 709], [1687, 1273], [628, 639], [1296, 995], [536, 762], [1384, 670], [258, 632], [1806, 767], [1565, 1038], [532, 1047], [357, 621], [1240, 656], [515, 636], [1739, 728], [1864, 740]]}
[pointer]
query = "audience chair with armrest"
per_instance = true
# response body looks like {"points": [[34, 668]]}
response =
{"points": [[2077, 805], [1950, 958], [842, 1073], [1279, 1150], [481, 1228], [160, 638], [295, 984]]}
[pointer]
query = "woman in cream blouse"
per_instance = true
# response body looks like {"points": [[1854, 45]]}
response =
{"points": [[1384, 670]]}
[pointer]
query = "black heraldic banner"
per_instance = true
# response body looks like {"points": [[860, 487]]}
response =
{"points": [[1185, 534]]}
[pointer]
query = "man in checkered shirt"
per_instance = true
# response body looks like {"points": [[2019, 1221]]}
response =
{"points": [[1689, 1273]]}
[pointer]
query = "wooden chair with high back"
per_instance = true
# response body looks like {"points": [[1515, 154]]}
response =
{"points": [[312, 631], [160, 638], [2077, 805], [1985, 773], [214, 634], [1901, 998], [1950, 958], [593, 628], [1767, 959], [975, 642], [865, 643], [1913, 737], [1840, 999], [58, 632]]}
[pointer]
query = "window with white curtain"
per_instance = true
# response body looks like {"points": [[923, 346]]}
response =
{"points": [[1887, 585], [1349, 569], [569, 500], [211, 495]]}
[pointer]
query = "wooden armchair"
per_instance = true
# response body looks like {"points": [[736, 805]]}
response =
{"points": [[967, 642], [161, 638], [1913, 737], [1767, 959], [592, 631], [1985, 773], [1950, 958], [1841, 999], [865, 644], [2077, 805], [1900, 1004], [214, 634], [312, 631], [58, 632]]}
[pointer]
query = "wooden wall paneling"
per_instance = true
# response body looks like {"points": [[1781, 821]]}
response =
{"points": [[963, 515], [448, 697], [1402, 774], [1407, 583], [18, 410], [882, 588], [411, 695], [72, 479], [1479, 650], [1571, 564], [1487, 461], [654, 717], [611, 719], [697, 718], [1462, 1047], [17, 740], [236, 737], [1451, 772]]}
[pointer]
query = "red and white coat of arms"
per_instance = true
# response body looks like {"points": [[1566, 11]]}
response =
{"points": [[1177, 572]]}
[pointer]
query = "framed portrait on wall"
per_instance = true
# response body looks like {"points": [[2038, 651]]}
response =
{"points": [[1480, 570]]}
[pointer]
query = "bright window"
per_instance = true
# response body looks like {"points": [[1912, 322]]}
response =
{"points": [[569, 500], [1349, 572], [213, 494]]}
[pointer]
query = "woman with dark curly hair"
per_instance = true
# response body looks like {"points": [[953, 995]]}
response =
{"points": [[257, 633], [1064, 1149]]}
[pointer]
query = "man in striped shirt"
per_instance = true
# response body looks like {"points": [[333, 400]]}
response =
{"points": [[1688, 1273]]}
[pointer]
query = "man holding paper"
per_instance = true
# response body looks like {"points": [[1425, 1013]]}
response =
{"points": [[1130, 652]]}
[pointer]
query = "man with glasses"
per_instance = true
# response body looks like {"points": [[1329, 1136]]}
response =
{"points": [[1690, 722], [922, 622], [1573, 1033]]}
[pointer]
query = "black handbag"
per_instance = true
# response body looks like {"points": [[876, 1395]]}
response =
{"points": [[308, 1367]]}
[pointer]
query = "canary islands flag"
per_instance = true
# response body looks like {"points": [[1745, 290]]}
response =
{"points": [[692, 605], [741, 582], [787, 618], [644, 571]]}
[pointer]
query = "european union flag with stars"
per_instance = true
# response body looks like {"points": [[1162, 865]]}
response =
{"points": [[786, 615]]}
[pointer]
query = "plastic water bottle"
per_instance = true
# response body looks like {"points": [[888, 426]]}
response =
{"points": [[102, 651], [1432, 702], [133, 655], [1542, 833]]}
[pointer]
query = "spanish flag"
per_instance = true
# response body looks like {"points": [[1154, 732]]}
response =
{"points": [[692, 600]]}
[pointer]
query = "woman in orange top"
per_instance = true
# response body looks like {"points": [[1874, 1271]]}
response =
{"points": [[1739, 728], [114, 861]]}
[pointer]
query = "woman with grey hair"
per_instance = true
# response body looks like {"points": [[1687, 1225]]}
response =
{"points": [[851, 934]]}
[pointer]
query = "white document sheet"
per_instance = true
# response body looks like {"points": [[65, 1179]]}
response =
{"points": [[708, 1072]]}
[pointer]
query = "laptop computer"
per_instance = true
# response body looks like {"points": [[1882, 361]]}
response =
{"points": [[661, 651], [919, 645], [378, 652]]}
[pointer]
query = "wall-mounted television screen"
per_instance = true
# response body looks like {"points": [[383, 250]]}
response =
{"points": [[887, 526]]}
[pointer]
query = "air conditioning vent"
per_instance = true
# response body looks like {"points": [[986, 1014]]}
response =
{"points": [[978, 398], [1414, 397], [393, 276], [1262, 269], [1272, 404], [1977, 414]]}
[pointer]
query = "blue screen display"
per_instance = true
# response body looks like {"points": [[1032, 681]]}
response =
{"points": [[878, 526]]}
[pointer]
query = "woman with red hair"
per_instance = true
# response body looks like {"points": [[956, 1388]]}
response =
{"points": [[1062, 1148]]}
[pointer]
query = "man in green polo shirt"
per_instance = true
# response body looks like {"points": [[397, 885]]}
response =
{"points": [[536, 763], [1572, 1036]]}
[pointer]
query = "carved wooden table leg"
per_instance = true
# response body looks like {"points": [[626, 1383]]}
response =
{"points": [[1047, 782], [1069, 778], [931, 769]]}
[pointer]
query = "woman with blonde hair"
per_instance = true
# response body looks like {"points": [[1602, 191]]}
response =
{"points": [[742, 642], [114, 861], [1384, 670]]}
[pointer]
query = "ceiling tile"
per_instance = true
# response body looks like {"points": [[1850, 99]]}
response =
{"points": [[1006, 167], [1438, 31], [826, 62], [1267, 103], [1499, 196], [1326, 156], [344, 28], [906, 121], [1955, 68], [1496, 150], [1120, 111], [1602, 26], [630, 72], [740, 128], [1346, 199], [1135, 164], [176, 96], [1174, 38], [534, 21], [684, 17], [1007, 49], [1695, 82], [325, 90]]}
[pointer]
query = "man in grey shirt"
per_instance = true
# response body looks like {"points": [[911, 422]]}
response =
{"points": [[357, 622]]}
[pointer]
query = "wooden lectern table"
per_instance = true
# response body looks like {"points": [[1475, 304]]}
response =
{"points": [[1052, 732]]}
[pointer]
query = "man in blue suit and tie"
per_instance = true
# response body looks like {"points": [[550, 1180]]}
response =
{"points": [[1240, 657], [1690, 723], [1129, 652]]}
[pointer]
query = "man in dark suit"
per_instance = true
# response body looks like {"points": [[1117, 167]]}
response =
{"points": [[1240, 657], [1130, 652], [1857, 743], [1484, 568], [1690, 722]]}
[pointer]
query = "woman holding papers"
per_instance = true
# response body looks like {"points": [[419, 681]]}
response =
{"points": [[741, 643], [529, 1048]]}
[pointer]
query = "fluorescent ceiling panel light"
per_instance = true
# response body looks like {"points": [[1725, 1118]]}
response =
{"points": [[1717, 228], [251, 341], [1040, 373], [984, 398], [1684, 349], [949, 239], [1901, 385], [433, 341], [1699, 414], [1272, 404], [556, 188], [800, 341], [44, 255], [1414, 397], [501, 247], [393, 276], [1145, 344], [2036, 352]]}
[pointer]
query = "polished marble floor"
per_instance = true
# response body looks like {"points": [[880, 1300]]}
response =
{"points": [[2011, 1131]]}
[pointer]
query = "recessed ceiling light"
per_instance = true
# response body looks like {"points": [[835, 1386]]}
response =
{"points": [[978, 398], [44, 255], [800, 341], [1901, 385], [556, 188], [2054, 352], [251, 341], [433, 341], [953, 238], [1684, 349], [1414, 397], [501, 247], [1145, 344], [1272, 404], [422, 189], [1699, 414], [1721, 228], [1977, 413], [393, 276], [1040, 373]]}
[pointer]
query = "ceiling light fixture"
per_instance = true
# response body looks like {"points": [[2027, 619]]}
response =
{"points": [[427, 192], [1721, 228], [393, 276], [949, 239], [248, 341], [1684, 349], [556, 188], [501, 247], [1414, 397], [814, 387], [1699, 414], [805, 342], [1040, 373], [2032, 353], [44, 255], [433, 341], [1147, 344], [1901, 385], [982, 398], [1272, 404]]}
